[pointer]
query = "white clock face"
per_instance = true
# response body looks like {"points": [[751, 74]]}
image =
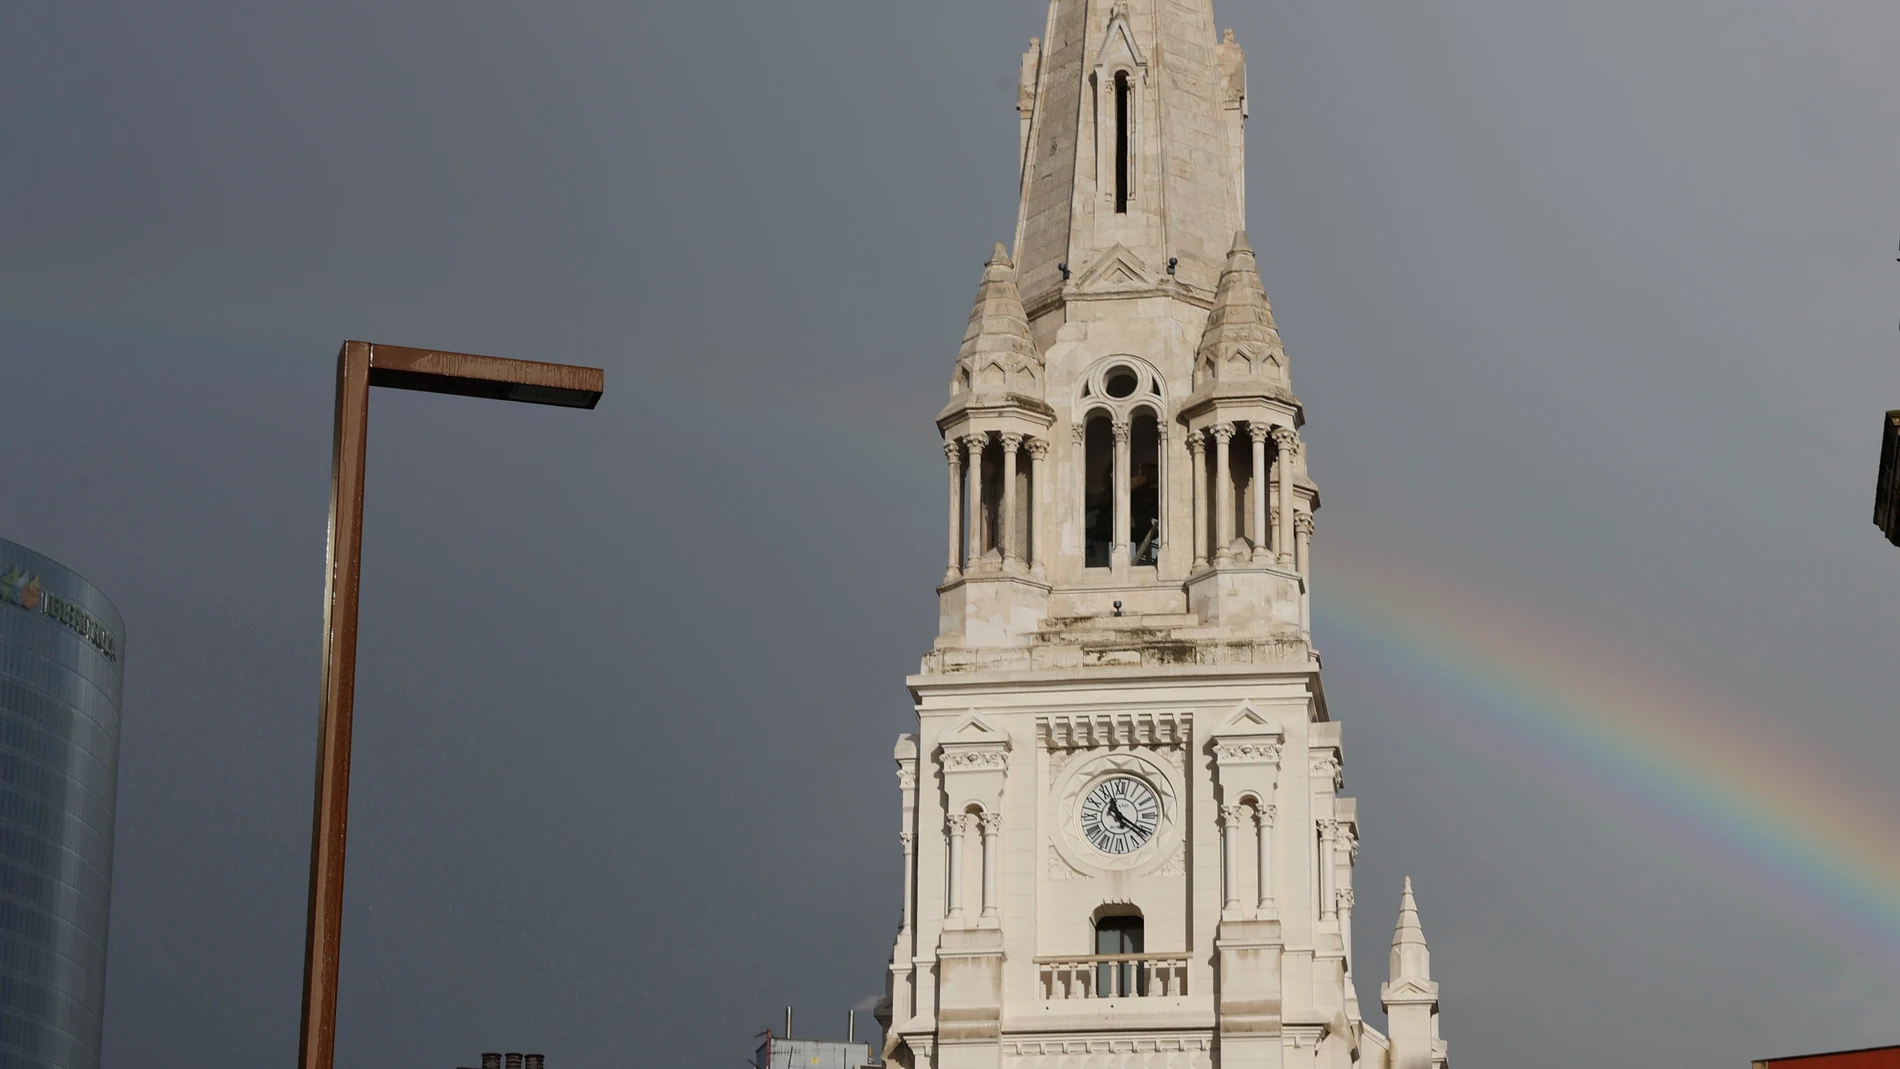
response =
{"points": [[1120, 815]]}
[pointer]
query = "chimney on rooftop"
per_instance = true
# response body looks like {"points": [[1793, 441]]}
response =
{"points": [[533, 1061], [514, 1061], [491, 1061]]}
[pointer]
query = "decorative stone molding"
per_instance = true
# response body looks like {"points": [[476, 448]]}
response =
{"points": [[975, 760], [1328, 828], [956, 823], [992, 823], [953, 452], [1060, 870], [907, 841], [1085, 1045], [1238, 752], [1176, 865], [1121, 430], [1266, 816], [1038, 448], [1230, 815], [1222, 432], [906, 778], [1287, 440], [1345, 898], [1013, 442], [1086, 732], [1079, 432], [1258, 431], [1303, 524], [1197, 444]]}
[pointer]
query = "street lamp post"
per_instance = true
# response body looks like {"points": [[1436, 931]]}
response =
{"points": [[359, 366]]}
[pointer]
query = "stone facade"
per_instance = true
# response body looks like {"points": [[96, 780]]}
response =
{"points": [[1123, 838]]}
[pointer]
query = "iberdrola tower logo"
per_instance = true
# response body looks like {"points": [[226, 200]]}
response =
{"points": [[21, 589]]}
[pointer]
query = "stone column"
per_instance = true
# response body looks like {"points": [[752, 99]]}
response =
{"points": [[1197, 463], [1328, 870], [1120, 553], [1012, 553], [1303, 545], [1286, 446], [953, 452], [1230, 858], [1345, 923], [973, 505], [992, 828], [1263, 541], [1223, 492], [1038, 493], [909, 842], [954, 829], [1263, 827]]}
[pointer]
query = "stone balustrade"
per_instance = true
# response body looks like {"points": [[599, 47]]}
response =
{"points": [[1086, 976]]}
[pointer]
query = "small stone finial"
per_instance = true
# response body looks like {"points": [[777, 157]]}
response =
{"points": [[998, 356], [1241, 339], [1227, 36], [1410, 959]]}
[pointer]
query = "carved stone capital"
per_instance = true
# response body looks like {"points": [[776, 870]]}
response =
{"points": [[907, 840], [957, 823], [1345, 899], [1121, 429], [976, 443], [1012, 442], [906, 778], [1038, 448], [1230, 815], [1258, 431], [1079, 432], [1327, 769], [953, 452], [1303, 524], [1222, 432], [1287, 440], [1328, 828], [1196, 443], [992, 822], [1266, 816]]}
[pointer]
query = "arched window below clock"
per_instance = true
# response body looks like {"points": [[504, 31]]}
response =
{"points": [[1119, 936]]}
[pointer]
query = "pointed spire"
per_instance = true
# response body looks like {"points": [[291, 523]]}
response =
{"points": [[1241, 339], [998, 355], [1410, 960]]}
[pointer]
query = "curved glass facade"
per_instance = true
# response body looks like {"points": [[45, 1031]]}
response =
{"points": [[61, 653]]}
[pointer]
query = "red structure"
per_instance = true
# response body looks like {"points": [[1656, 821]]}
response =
{"points": [[1871, 1058]]}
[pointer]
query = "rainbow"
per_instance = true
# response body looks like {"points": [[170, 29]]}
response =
{"points": [[1710, 775]]}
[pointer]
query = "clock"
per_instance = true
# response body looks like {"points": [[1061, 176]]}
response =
{"points": [[1120, 815]]}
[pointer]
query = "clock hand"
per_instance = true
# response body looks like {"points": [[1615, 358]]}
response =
{"points": [[1115, 807]]}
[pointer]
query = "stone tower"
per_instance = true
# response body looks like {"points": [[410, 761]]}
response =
{"points": [[1124, 843]]}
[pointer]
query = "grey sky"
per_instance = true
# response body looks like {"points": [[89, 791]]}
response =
{"points": [[1592, 306]]}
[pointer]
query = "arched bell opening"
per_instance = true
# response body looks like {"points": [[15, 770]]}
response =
{"points": [[1144, 488], [1098, 491]]}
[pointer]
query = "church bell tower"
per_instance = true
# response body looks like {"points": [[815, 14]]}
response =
{"points": [[1124, 843]]}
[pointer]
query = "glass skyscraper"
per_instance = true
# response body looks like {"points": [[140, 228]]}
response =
{"points": [[62, 649]]}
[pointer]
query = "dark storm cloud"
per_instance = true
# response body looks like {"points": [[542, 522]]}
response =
{"points": [[1591, 302]]}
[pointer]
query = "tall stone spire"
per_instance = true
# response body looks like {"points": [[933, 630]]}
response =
{"points": [[1133, 115], [1241, 341], [997, 356]]}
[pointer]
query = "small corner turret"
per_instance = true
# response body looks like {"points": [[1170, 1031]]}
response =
{"points": [[1410, 995]]}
